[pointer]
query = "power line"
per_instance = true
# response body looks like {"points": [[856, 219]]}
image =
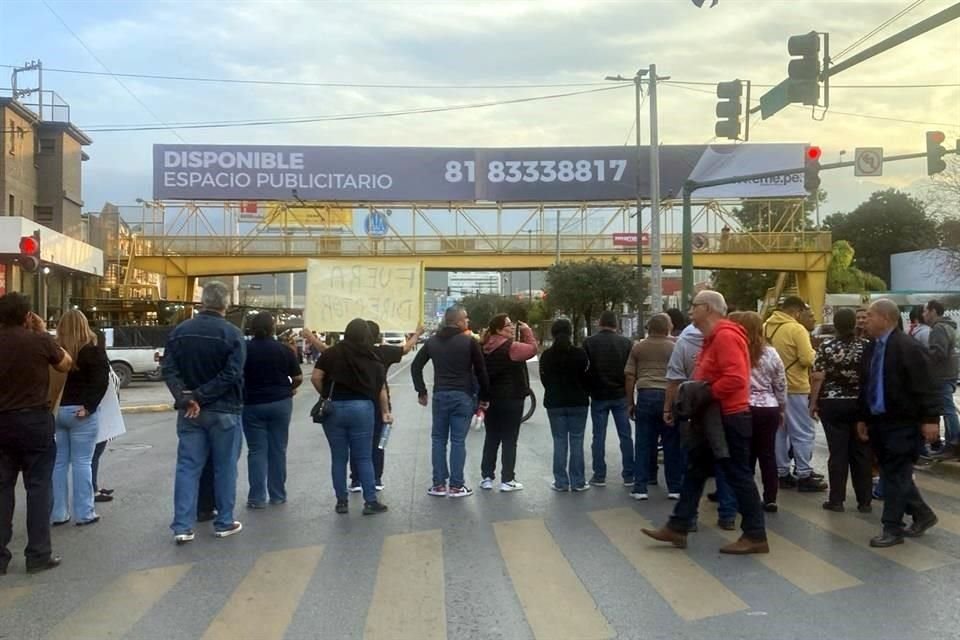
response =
{"points": [[878, 29], [944, 85], [321, 83], [338, 117], [102, 64]]}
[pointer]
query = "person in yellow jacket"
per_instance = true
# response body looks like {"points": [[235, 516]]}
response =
{"points": [[791, 339]]}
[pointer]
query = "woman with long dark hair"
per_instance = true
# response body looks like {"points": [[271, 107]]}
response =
{"points": [[563, 373], [353, 378], [271, 375], [833, 396], [77, 425], [506, 360]]}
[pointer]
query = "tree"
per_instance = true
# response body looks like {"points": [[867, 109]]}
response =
{"points": [[888, 222], [843, 277], [942, 197], [584, 289]]}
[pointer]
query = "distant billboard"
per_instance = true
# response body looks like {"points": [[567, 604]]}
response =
{"points": [[430, 174]]}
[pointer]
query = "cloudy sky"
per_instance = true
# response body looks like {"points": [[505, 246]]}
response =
{"points": [[489, 42]]}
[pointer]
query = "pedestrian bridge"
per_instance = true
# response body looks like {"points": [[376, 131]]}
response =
{"points": [[184, 241]]}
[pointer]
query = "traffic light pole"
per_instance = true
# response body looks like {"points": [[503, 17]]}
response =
{"points": [[693, 185]]}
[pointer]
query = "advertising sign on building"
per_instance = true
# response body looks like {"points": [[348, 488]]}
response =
{"points": [[630, 239], [405, 174]]}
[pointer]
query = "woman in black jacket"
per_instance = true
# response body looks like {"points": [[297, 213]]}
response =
{"points": [[506, 361], [563, 372], [77, 424]]}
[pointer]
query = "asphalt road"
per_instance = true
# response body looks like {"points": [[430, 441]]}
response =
{"points": [[528, 565]]}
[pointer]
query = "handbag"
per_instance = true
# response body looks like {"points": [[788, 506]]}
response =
{"points": [[323, 408]]}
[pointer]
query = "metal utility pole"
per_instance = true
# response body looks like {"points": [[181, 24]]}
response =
{"points": [[656, 255], [558, 236]]}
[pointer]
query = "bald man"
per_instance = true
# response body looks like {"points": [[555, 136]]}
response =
{"points": [[899, 407]]}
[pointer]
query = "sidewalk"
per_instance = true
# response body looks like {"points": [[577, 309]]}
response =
{"points": [[145, 397]]}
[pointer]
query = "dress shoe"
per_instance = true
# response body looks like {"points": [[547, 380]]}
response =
{"points": [[52, 563], [833, 506], [666, 534], [771, 507], [788, 481], [744, 546], [886, 539], [920, 526], [865, 508], [811, 485]]}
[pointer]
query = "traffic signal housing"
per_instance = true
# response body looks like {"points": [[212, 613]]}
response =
{"points": [[935, 152], [811, 169], [803, 72], [729, 109], [29, 258]]}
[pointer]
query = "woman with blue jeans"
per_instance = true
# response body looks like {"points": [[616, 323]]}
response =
{"points": [[563, 373], [271, 375], [77, 426], [353, 379]]}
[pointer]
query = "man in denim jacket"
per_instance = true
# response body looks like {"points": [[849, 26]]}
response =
{"points": [[203, 368]]}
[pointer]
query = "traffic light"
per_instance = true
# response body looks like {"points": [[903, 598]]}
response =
{"points": [[811, 169], [29, 258], [935, 152], [729, 109], [804, 72]]}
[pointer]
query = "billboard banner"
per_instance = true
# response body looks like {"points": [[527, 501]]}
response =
{"points": [[436, 174], [313, 216]]}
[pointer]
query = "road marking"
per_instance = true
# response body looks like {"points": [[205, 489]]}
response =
{"points": [[11, 595], [928, 482], [911, 555], [262, 606], [408, 598], [114, 610], [556, 604], [688, 588]]}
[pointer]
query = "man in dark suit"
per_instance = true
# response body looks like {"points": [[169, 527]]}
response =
{"points": [[900, 405]]}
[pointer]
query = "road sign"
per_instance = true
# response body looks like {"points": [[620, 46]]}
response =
{"points": [[775, 99], [375, 225], [868, 161]]}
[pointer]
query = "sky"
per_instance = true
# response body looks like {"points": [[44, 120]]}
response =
{"points": [[490, 42]]}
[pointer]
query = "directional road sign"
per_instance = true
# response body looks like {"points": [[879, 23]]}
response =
{"points": [[868, 161]]}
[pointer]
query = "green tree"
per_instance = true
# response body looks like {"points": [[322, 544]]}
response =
{"points": [[843, 277], [583, 290], [888, 222]]}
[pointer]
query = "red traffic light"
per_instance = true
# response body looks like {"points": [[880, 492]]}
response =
{"points": [[29, 245], [936, 137], [813, 153]]}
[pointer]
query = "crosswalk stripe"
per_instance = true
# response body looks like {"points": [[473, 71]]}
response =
{"points": [[911, 555], [262, 606], [927, 482], [11, 595], [408, 598], [113, 611], [555, 602], [688, 588], [795, 564]]}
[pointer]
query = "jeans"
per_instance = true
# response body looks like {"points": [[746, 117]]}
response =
{"points": [[599, 411], [452, 411], [376, 452], [350, 435], [726, 499], [568, 424], [76, 441], [267, 429], [27, 447], [896, 447], [736, 471], [848, 455], [801, 433], [502, 428], [211, 434], [650, 428], [763, 448], [950, 420]]}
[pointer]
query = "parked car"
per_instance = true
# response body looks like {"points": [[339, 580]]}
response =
{"points": [[394, 338], [135, 351]]}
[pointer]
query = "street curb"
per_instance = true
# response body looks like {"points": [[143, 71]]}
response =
{"points": [[147, 408]]}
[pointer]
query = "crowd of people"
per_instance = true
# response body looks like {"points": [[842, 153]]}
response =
{"points": [[723, 396]]}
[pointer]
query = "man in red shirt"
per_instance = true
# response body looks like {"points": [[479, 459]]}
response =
{"points": [[724, 363]]}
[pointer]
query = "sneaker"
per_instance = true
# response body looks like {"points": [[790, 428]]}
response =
{"points": [[486, 484], [598, 481], [459, 492], [673, 496], [582, 488], [184, 538], [628, 482], [439, 490], [556, 487], [379, 486], [355, 488], [236, 527], [373, 508], [636, 495], [513, 485], [342, 507]]}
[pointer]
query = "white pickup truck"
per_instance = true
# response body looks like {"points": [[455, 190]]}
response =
{"points": [[135, 351]]}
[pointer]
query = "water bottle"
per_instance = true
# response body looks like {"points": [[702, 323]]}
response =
{"points": [[384, 436]]}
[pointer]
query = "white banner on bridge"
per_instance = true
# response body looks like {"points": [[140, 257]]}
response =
{"points": [[727, 161]]}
